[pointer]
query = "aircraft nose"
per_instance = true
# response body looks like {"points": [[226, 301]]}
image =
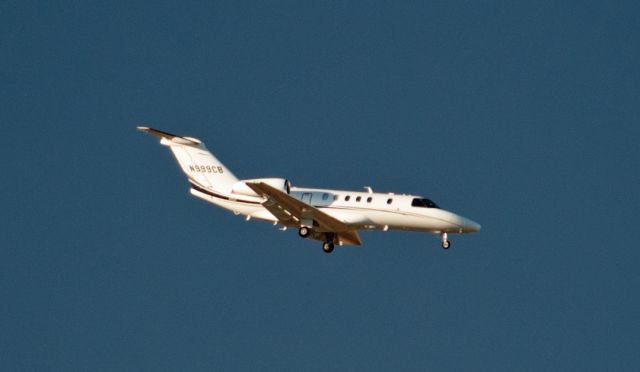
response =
{"points": [[461, 224], [470, 226]]}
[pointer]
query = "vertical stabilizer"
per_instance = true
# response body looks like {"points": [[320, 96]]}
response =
{"points": [[197, 163]]}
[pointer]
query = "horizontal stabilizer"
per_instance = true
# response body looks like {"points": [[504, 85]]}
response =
{"points": [[171, 137]]}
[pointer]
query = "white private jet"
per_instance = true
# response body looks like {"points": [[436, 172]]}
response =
{"points": [[330, 216]]}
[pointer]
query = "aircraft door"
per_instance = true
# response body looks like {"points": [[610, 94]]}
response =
{"points": [[306, 197]]}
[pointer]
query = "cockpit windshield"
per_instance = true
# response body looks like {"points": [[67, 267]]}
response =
{"points": [[423, 203]]}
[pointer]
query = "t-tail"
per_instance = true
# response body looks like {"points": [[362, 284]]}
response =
{"points": [[198, 164]]}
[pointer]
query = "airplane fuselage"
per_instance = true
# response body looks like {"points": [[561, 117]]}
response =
{"points": [[361, 210]]}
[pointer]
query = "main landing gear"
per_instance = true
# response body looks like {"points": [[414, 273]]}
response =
{"points": [[444, 240], [304, 232], [327, 245]]}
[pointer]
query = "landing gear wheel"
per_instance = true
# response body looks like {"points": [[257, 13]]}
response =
{"points": [[304, 231], [444, 240], [327, 247]]}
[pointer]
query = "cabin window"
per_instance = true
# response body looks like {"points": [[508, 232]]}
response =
{"points": [[369, 199], [346, 198], [423, 203], [325, 196], [335, 197], [359, 198], [389, 201]]}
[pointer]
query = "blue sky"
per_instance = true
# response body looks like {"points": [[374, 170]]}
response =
{"points": [[522, 116]]}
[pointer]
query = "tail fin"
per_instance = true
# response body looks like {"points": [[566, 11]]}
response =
{"points": [[197, 163]]}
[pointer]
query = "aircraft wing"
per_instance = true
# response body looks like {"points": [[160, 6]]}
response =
{"points": [[283, 206]]}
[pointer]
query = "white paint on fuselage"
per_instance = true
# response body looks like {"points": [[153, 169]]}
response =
{"points": [[362, 210]]}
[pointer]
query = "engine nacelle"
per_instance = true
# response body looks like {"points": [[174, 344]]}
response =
{"points": [[241, 187]]}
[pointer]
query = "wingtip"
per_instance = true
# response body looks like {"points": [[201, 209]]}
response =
{"points": [[143, 129]]}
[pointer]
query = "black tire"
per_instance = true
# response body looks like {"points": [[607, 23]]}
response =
{"points": [[446, 244], [304, 231], [327, 247]]}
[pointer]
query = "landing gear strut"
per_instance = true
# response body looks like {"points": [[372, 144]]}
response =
{"points": [[327, 247], [444, 240], [304, 231]]}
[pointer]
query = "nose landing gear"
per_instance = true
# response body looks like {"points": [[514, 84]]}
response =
{"points": [[444, 240]]}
